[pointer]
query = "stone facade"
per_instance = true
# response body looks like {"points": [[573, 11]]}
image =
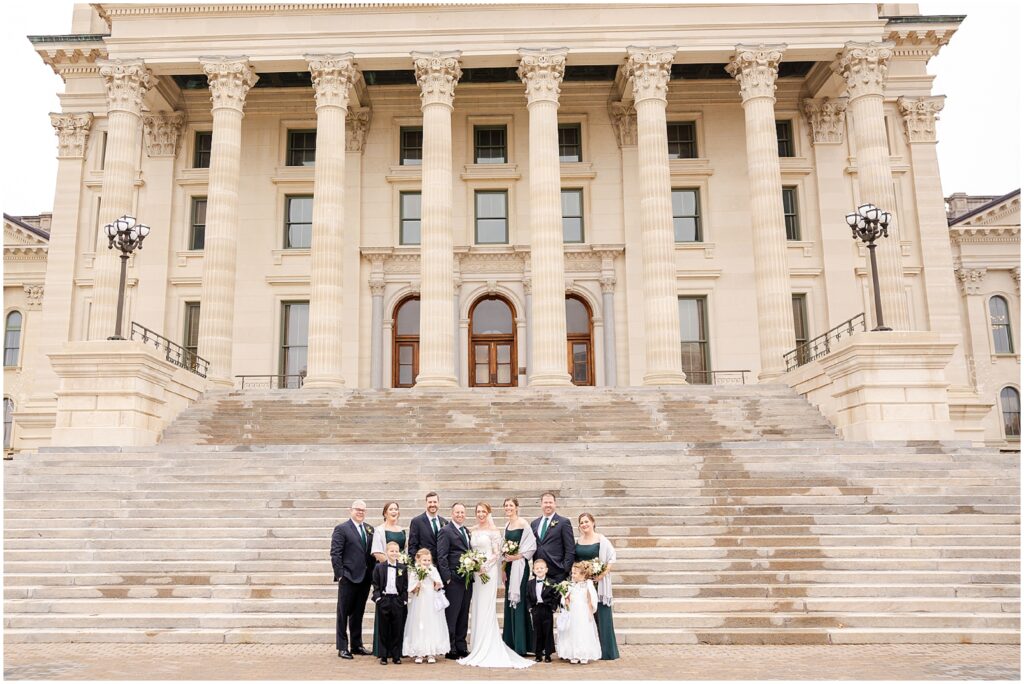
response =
{"points": [[847, 82]]}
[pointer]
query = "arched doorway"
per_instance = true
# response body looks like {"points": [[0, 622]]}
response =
{"points": [[579, 344], [405, 350], [492, 343]]}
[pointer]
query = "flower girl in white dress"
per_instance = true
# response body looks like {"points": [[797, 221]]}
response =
{"points": [[578, 642], [426, 631]]}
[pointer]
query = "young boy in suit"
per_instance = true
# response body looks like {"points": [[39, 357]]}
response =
{"points": [[391, 594], [542, 600]]}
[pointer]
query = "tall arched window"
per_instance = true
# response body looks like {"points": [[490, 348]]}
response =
{"points": [[12, 339], [8, 421], [405, 352], [1009, 401], [999, 314]]}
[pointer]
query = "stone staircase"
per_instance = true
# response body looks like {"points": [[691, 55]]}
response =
{"points": [[221, 533]]}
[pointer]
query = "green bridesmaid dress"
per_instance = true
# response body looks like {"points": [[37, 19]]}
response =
{"points": [[605, 626], [517, 632], [398, 538]]}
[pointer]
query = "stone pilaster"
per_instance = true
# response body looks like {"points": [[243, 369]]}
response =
{"points": [[163, 133], [649, 70], [608, 313], [827, 119], [377, 334], [437, 74], [542, 71], [864, 67], [230, 79], [126, 82], [72, 132], [756, 67], [333, 76], [919, 116]]}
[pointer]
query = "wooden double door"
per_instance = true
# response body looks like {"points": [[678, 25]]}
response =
{"points": [[492, 344]]}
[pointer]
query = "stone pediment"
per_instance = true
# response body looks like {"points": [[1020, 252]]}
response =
{"points": [[18, 234], [1003, 212]]}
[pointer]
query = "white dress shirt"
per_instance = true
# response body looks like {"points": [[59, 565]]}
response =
{"points": [[391, 587]]}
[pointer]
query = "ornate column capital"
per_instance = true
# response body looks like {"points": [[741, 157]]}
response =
{"points": [[34, 296], [528, 285], [608, 283], [756, 67], [230, 80], [333, 76], [919, 116], [1015, 274], [72, 132], [162, 133], [542, 71], [649, 70], [827, 119], [971, 280], [126, 81], [437, 74], [377, 287], [357, 124], [864, 67], [623, 116]]}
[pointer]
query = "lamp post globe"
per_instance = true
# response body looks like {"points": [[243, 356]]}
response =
{"points": [[127, 234], [868, 224]]}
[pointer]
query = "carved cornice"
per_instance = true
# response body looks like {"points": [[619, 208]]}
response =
{"points": [[971, 280], [623, 116], [126, 81], [333, 76], [162, 133], [357, 125], [230, 80], [33, 296], [542, 71], [514, 261], [965, 235], [919, 116], [864, 67], [756, 67], [826, 118], [73, 60], [920, 41], [649, 71], [72, 132], [437, 73]]}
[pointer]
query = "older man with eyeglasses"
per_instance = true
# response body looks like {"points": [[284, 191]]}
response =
{"points": [[353, 562]]}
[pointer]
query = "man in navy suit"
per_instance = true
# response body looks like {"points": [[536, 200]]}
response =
{"points": [[452, 542], [352, 561], [425, 528], [555, 541]]}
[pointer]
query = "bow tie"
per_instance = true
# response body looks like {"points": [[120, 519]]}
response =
{"points": [[392, 566]]}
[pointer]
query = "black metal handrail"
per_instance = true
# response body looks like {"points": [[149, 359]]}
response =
{"points": [[173, 352], [717, 377], [822, 344], [271, 381]]}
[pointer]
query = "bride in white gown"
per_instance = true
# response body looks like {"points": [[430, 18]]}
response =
{"points": [[488, 649]]}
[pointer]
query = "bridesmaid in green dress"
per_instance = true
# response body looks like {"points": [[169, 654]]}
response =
{"points": [[592, 545], [393, 532], [517, 632]]}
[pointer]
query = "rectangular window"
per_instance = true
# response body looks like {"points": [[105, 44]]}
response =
{"points": [[294, 343], [197, 224], [570, 143], [491, 217], [298, 222], [201, 155], [191, 332], [693, 333], [103, 151], [410, 146], [686, 215], [301, 148], [784, 134], [490, 144], [789, 210], [572, 215], [800, 328], [682, 140], [409, 208]]}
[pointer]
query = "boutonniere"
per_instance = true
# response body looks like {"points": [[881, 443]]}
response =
{"points": [[554, 523], [400, 572], [369, 529]]}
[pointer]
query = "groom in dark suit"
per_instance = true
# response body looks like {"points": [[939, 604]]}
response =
{"points": [[352, 561], [452, 542], [425, 528], [555, 541]]}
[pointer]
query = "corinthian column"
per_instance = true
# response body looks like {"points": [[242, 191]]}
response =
{"points": [[542, 72], [756, 67], [437, 74], [864, 67], [649, 70], [230, 80], [333, 76], [127, 82]]}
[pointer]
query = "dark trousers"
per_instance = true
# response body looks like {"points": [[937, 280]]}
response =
{"points": [[457, 613], [391, 614], [351, 606], [543, 630]]}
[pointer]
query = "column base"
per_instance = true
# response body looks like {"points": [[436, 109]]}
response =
{"points": [[324, 383], [665, 378], [550, 380], [770, 375], [427, 381], [220, 383]]}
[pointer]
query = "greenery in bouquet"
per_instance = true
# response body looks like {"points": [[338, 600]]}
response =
{"points": [[596, 568], [470, 563], [421, 573]]}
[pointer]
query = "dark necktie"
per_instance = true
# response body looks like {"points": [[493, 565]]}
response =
{"points": [[433, 523]]}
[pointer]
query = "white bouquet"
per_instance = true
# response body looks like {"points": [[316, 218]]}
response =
{"points": [[472, 562], [596, 568]]}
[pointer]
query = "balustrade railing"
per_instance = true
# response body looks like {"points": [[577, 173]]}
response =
{"points": [[822, 344], [717, 377], [271, 381], [173, 352]]}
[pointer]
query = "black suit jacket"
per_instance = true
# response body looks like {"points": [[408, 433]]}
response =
{"points": [[558, 548], [549, 597], [351, 560], [450, 545], [421, 535], [380, 582]]}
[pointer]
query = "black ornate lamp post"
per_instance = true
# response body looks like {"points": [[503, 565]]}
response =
{"points": [[868, 224], [127, 235]]}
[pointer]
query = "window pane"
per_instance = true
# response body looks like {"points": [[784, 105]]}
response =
{"points": [[572, 230], [298, 324], [204, 143], [404, 375], [490, 144], [682, 140], [572, 203], [784, 135], [483, 370], [492, 231], [490, 205], [492, 317], [800, 318], [191, 336], [405, 354], [411, 153], [299, 223], [504, 373], [569, 143], [197, 233], [685, 229], [12, 338], [999, 313], [686, 215], [1009, 399], [301, 148], [693, 333], [577, 319], [789, 210], [691, 325], [408, 320], [8, 421], [411, 206], [572, 215]]}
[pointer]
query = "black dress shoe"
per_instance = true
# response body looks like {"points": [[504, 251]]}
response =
{"points": [[383, 661], [345, 654], [547, 659], [396, 661], [538, 659], [360, 651], [463, 654], [451, 656]]}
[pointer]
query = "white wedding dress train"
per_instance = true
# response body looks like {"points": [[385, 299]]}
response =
{"points": [[487, 648]]}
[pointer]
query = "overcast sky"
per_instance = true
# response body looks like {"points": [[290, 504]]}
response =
{"points": [[979, 129]]}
